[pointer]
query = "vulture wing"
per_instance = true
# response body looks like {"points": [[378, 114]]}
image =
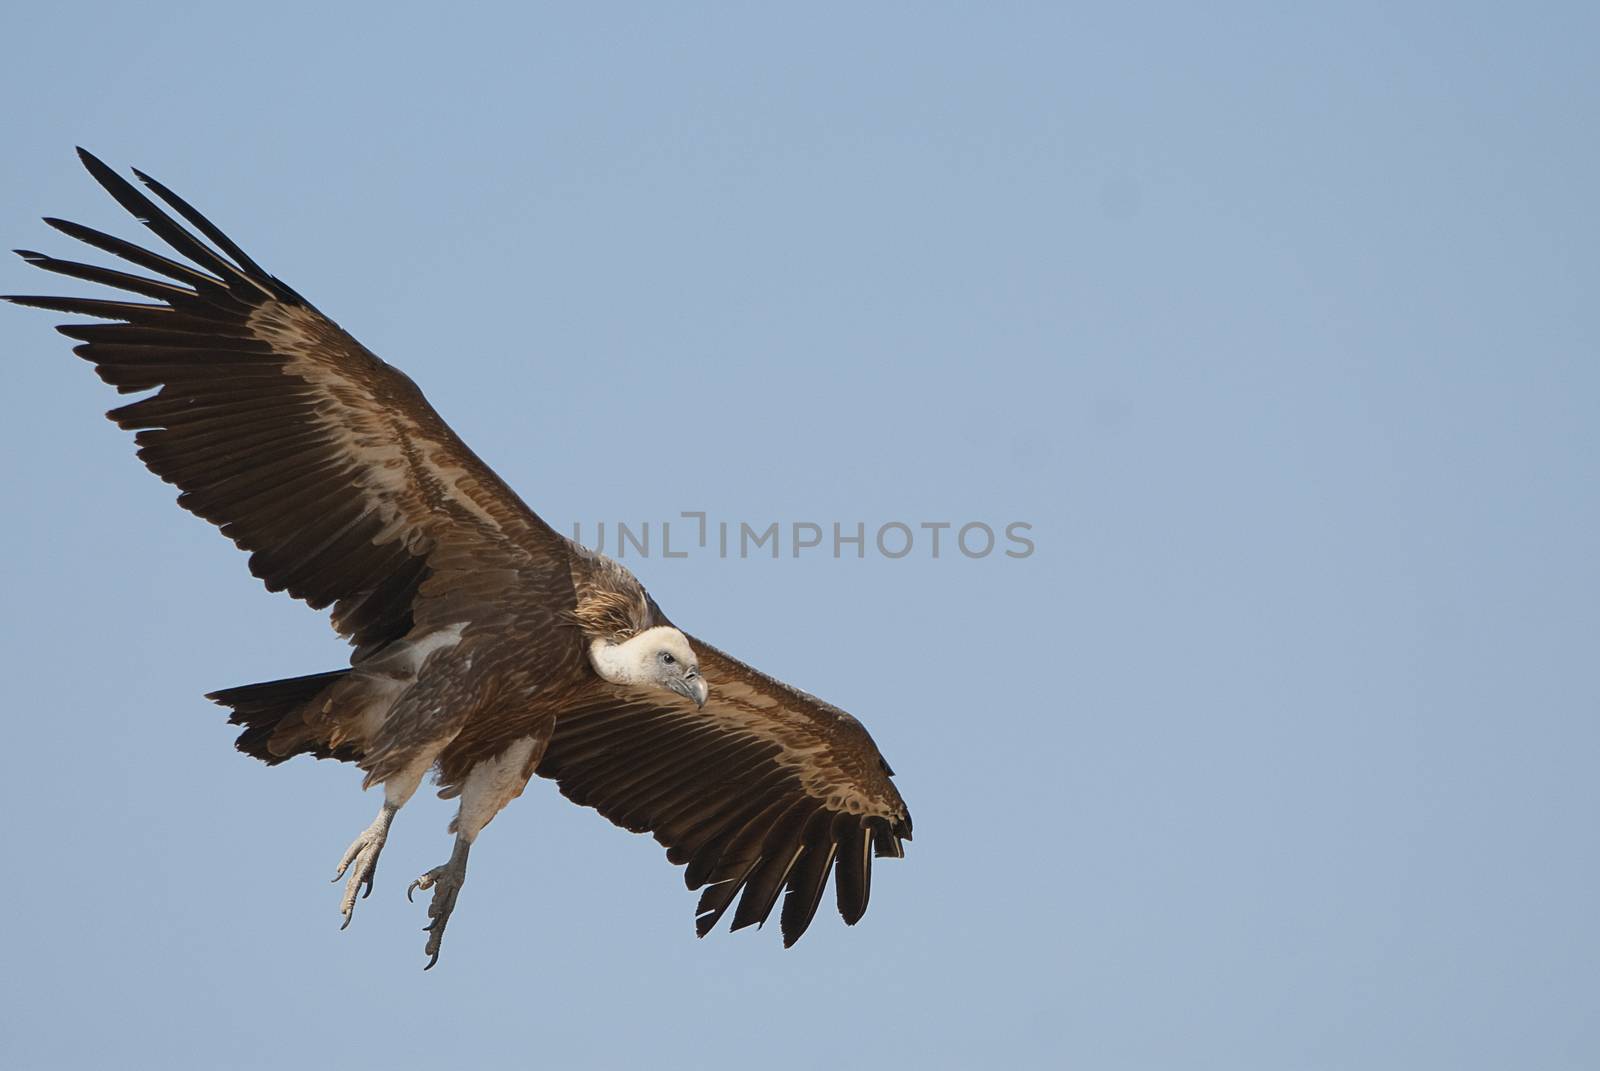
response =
{"points": [[305, 448], [765, 790]]}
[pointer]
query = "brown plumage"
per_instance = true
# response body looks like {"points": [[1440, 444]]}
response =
{"points": [[487, 647]]}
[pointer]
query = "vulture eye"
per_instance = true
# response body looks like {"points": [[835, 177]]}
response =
{"points": [[668, 659]]}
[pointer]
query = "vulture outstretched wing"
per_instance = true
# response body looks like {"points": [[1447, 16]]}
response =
{"points": [[765, 790], [305, 448]]}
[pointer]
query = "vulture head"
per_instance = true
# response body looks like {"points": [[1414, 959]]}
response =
{"points": [[658, 657]]}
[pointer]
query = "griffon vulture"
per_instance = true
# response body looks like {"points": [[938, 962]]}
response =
{"points": [[487, 647]]}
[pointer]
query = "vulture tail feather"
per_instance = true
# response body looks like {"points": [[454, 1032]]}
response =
{"points": [[265, 709]]}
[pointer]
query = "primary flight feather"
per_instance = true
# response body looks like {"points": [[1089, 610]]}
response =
{"points": [[487, 646]]}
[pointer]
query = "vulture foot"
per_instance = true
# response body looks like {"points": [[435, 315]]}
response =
{"points": [[361, 859], [446, 882]]}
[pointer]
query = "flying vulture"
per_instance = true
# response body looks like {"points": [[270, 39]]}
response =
{"points": [[487, 646]]}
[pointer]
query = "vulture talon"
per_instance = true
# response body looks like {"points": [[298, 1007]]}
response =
{"points": [[445, 882], [361, 860]]}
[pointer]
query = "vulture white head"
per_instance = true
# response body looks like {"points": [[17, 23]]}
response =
{"points": [[658, 657]]}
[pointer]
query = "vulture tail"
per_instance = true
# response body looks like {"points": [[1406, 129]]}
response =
{"points": [[272, 716]]}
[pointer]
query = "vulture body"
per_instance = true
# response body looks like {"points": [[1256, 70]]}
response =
{"points": [[487, 647]]}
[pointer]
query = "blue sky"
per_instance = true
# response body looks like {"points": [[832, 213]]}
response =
{"points": [[1278, 327]]}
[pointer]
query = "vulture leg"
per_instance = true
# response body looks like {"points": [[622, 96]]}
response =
{"points": [[488, 787], [361, 858]]}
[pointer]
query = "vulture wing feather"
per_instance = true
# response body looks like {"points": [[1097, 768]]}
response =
{"points": [[766, 789], [278, 427]]}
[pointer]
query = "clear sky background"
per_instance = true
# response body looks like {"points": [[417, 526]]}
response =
{"points": [[1279, 328]]}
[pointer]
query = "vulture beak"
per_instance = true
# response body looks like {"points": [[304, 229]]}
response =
{"points": [[692, 687]]}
